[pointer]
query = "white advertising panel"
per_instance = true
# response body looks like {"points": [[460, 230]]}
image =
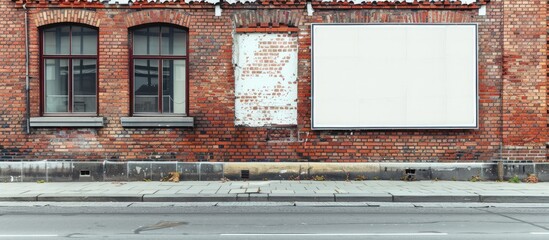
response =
{"points": [[388, 76]]}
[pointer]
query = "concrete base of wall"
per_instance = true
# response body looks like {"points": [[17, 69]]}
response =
{"points": [[66, 171]]}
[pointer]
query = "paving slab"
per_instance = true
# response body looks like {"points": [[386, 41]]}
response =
{"points": [[208, 192], [179, 184], [282, 191], [252, 190], [259, 184], [237, 191], [195, 191], [326, 191], [343, 191], [171, 191]]}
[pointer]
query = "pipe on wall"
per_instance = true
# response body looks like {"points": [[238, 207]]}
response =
{"points": [[27, 78]]}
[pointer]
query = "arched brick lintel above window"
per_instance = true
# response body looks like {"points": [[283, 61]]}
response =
{"points": [[178, 18], [67, 16], [271, 19]]}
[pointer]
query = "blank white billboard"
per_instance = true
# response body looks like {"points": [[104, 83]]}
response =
{"points": [[407, 76]]}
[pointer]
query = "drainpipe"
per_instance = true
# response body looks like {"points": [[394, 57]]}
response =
{"points": [[27, 78]]}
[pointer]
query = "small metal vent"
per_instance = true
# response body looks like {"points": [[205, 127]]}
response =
{"points": [[410, 174], [85, 173], [245, 174]]}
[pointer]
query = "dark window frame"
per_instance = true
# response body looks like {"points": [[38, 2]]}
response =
{"points": [[160, 59], [69, 57]]}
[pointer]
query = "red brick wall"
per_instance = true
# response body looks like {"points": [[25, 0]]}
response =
{"points": [[12, 77], [508, 62], [524, 78]]}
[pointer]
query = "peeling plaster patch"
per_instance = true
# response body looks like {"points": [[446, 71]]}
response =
{"points": [[265, 79]]}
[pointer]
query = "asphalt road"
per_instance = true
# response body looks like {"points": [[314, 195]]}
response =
{"points": [[164, 221]]}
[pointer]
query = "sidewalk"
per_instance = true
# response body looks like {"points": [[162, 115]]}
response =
{"points": [[278, 191]]}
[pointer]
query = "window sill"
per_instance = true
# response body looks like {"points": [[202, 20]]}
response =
{"points": [[157, 121], [67, 121]]}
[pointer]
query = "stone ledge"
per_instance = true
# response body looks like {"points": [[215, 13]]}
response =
{"points": [[157, 121], [67, 121]]}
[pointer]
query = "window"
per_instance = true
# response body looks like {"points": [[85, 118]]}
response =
{"points": [[159, 67], [69, 70]]}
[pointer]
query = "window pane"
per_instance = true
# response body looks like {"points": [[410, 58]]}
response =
{"points": [[56, 79], [146, 85], [173, 86], [140, 41], [56, 40], [174, 41], [84, 41], [84, 72], [146, 41]]}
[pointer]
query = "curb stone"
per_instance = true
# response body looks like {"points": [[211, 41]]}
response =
{"points": [[90, 198], [363, 197], [190, 198], [514, 199], [436, 198], [296, 197]]}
